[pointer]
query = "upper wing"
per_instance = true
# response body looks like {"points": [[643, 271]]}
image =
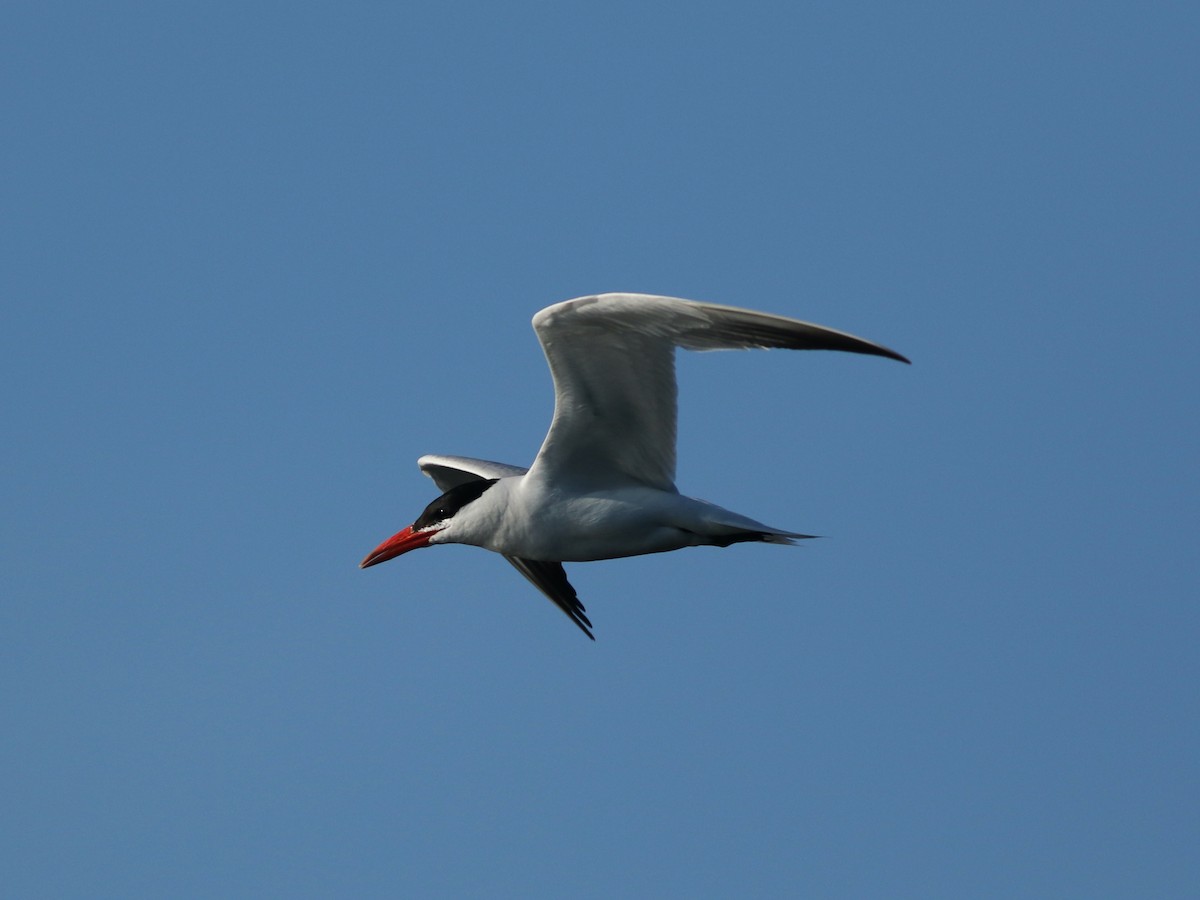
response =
{"points": [[612, 357], [548, 577], [451, 471]]}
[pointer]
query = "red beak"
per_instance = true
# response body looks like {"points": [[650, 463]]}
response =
{"points": [[398, 543]]}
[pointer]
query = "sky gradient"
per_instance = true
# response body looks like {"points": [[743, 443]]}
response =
{"points": [[260, 257]]}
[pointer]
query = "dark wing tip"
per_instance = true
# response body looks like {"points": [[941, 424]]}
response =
{"points": [[551, 579], [839, 340], [851, 344], [748, 328]]}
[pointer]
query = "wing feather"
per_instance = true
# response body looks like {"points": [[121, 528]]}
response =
{"points": [[551, 579], [450, 471], [612, 357]]}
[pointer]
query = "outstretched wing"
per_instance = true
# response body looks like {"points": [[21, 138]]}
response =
{"points": [[551, 579], [548, 577], [612, 357], [451, 471]]}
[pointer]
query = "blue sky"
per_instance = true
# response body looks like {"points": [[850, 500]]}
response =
{"points": [[260, 257]]}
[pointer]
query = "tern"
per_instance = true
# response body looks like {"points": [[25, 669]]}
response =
{"points": [[603, 483]]}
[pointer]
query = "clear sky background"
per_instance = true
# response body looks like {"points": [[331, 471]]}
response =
{"points": [[259, 257]]}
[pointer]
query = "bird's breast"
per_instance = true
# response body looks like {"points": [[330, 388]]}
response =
{"points": [[559, 526]]}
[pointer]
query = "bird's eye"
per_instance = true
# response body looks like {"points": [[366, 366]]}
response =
{"points": [[451, 502]]}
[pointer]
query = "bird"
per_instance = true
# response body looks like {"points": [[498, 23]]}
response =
{"points": [[602, 486]]}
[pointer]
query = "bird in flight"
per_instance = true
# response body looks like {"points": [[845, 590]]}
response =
{"points": [[603, 483]]}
